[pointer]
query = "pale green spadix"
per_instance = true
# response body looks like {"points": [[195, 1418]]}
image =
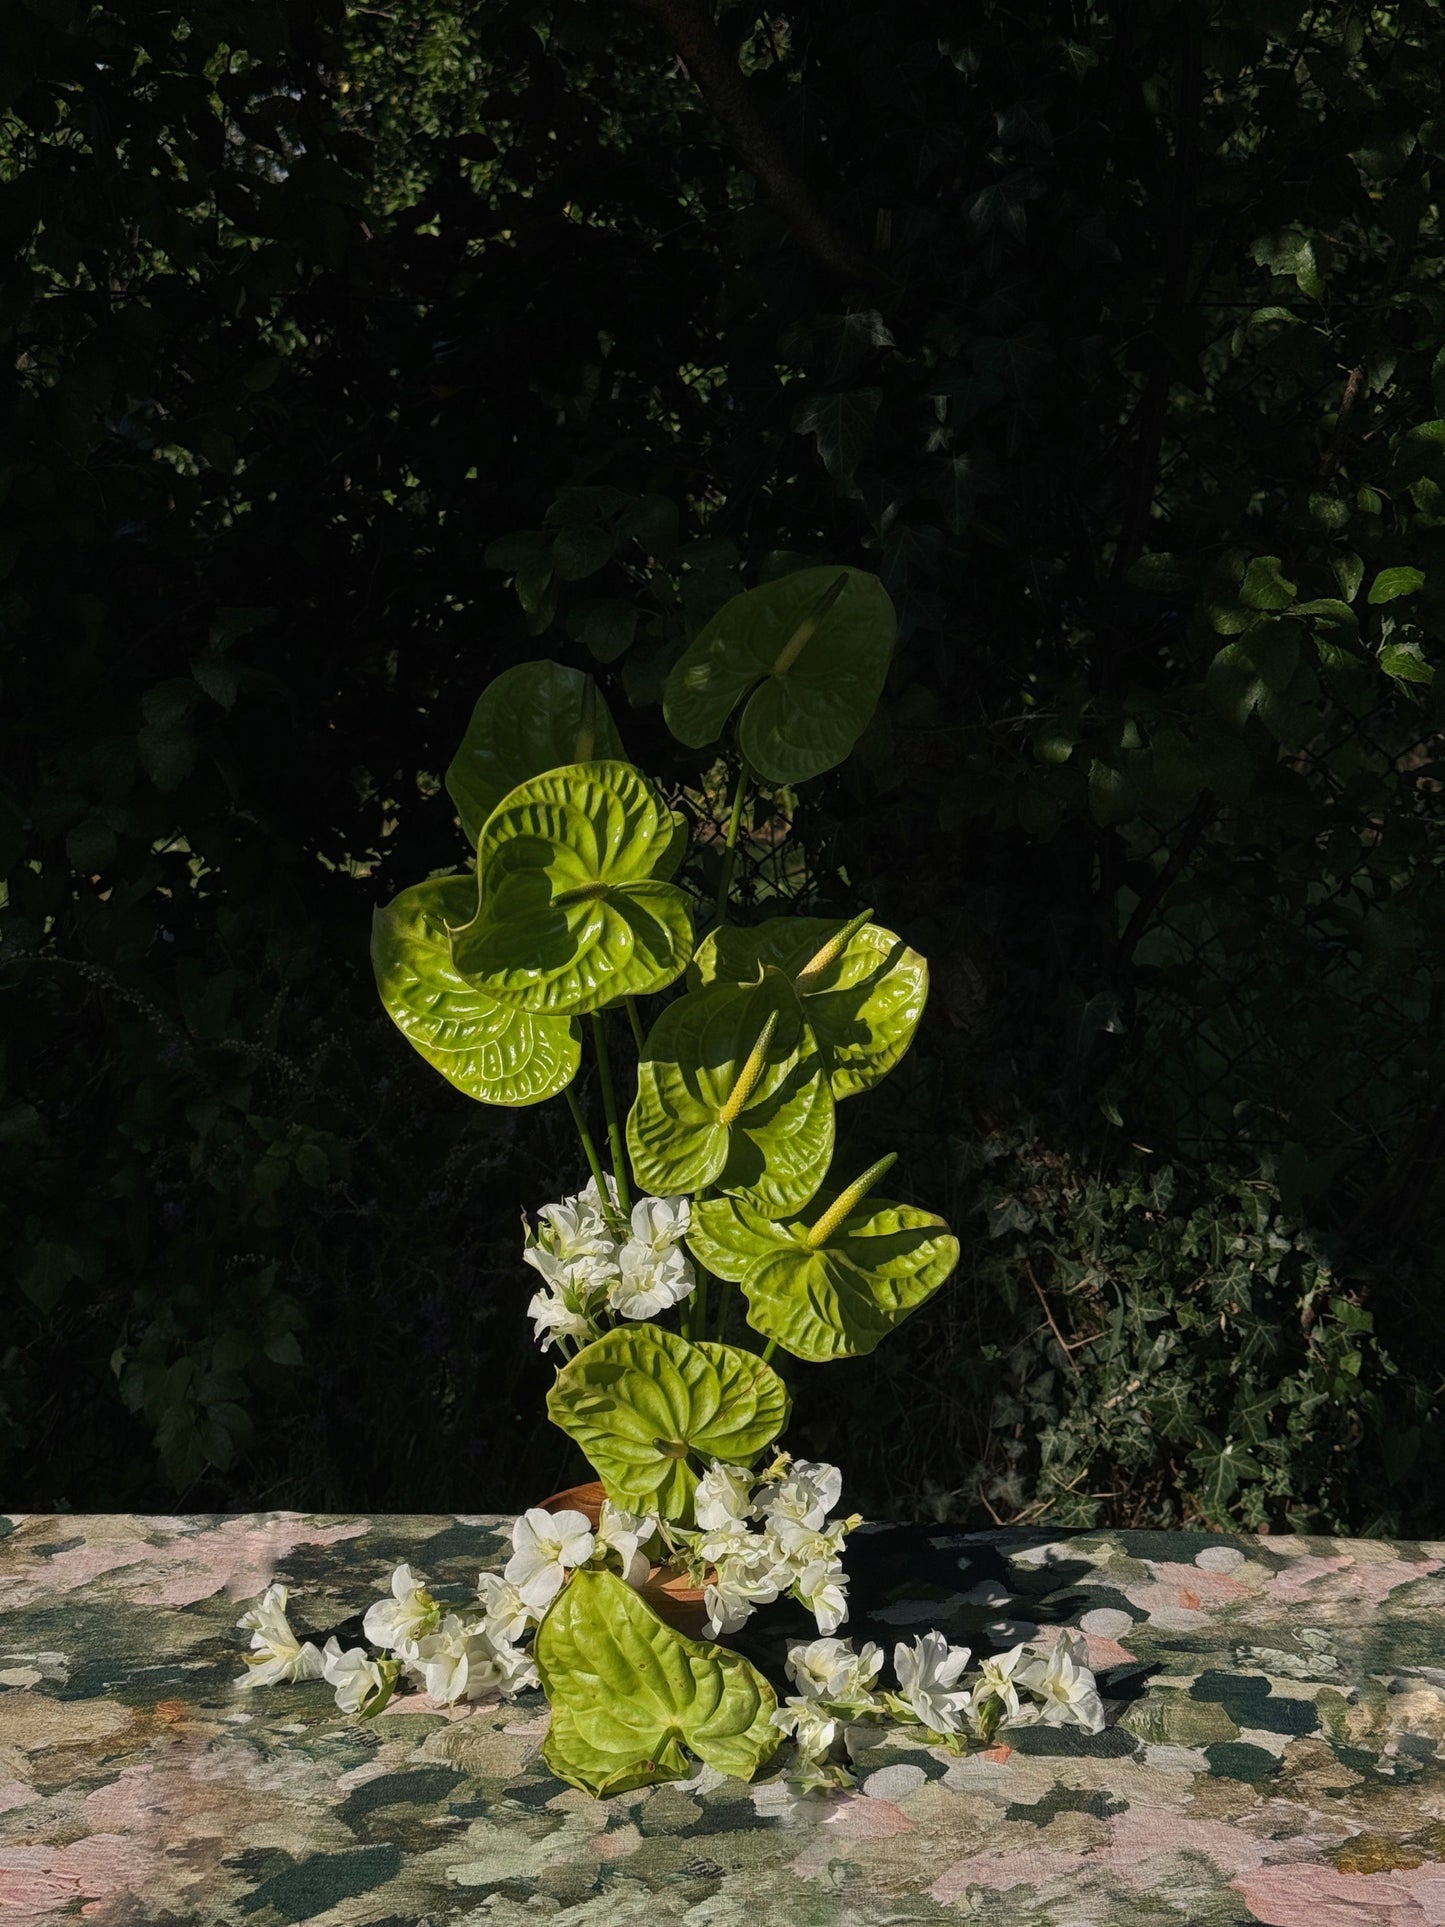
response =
{"points": [[732, 1091], [494, 1053], [831, 1282], [861, 989], [809, 652]]}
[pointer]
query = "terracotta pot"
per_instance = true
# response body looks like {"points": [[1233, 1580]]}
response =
{"points": [[681, 1605]]}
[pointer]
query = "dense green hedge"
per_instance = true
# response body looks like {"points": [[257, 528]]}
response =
{"points": [[362, 353]]}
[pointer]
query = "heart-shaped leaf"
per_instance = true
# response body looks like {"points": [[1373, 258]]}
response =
{"points": [[862, 988], [533, 718], [628, 1694], [495, 1054], [641, 1402], [813, 647], [575, 908], [732, 1090], [833, 1284]]}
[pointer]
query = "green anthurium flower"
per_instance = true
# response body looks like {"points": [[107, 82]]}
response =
{"points": [[533, 718], [575, 910], [494, 1053], [813, 647], [732, 1091], [862, 989], [629, 1694], [643, 1404], [831, 1284]]}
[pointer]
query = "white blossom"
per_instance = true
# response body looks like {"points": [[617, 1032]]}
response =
{"points": [[812, 1726], [458, 1662], [723, 1497], [409, 1615], [554, 1318], [805, 1494], [743, 1580], [823, 1588], [358, 1678], [506, 1614], [276, 1653], [546, 1546], [829, 1669], [799, 1546], [647, 1284], [518, 1669], [928, 1673], [626, 1533], [998, 1681], [1065, 1687]]}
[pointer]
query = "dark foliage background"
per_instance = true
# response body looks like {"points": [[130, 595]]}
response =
{"points": [[362, 352]]}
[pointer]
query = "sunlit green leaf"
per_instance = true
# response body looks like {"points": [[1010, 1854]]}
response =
{"points": [[722, 1101], [575, 908], [1390, 584], [628, 1694], [836, 1300], [495, 1054], [647, 1408], [531, 719], [813, 647], [862, 1004]]}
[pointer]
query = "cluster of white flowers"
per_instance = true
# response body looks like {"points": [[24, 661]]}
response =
{"points": [[758, 1539], [595, 1263], [838, 1688], [452, 1656]]}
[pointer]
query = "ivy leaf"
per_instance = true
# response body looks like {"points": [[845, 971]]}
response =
{"points": [[836, 1299], [641, 1403], [629, 1694], [732, 1090], [862, 1003], [606, 629], [814, 649], [1390, 584], [1264, 585], [1405, 663], [574, 908], [494, 1054], [580, 549], [842, 426], [531, 719]]}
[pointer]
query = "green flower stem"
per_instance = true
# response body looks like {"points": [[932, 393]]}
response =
{"points": [[594, 1162], [769, 1349], [636, 1023], [614, 1127], [725, 880]]}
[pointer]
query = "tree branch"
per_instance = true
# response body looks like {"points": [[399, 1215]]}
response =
{"points": [[693, 35]]}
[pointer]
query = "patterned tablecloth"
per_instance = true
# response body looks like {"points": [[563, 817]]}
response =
{"points": [[1275, 1749]]}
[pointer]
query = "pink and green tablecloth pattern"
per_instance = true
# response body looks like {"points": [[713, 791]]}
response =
{"points": [[1275, 1749]]}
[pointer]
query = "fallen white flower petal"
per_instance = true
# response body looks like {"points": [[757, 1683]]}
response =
{"points": [[409, 1615], [927, 1673], [276, 1653]]}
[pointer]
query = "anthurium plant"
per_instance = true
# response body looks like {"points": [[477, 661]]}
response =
{"points": [[714, 1240]]}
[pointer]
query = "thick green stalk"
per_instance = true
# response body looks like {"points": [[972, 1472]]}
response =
{"points": [[614, 1127], [769, 1349], [636, 1023], [594, 1163], [735, 818]]}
